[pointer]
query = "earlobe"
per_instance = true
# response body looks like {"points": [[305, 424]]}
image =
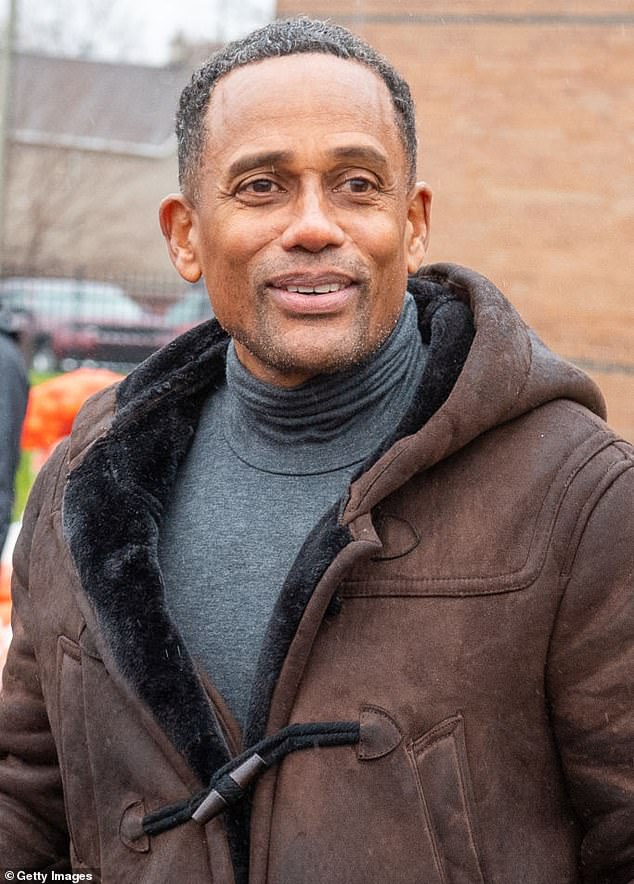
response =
{"points": [[418, 225], [176, 216]]}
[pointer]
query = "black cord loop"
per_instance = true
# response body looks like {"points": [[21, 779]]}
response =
{"points": [[230, 783]]}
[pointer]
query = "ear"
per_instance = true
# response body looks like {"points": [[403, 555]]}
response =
{"points": [[176, 216], [417, 227]]}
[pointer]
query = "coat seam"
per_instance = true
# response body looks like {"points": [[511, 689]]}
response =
{"points": [[585, 514], [618, 468]]}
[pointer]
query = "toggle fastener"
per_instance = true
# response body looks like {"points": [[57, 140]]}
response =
{"points": [[230, 789]]}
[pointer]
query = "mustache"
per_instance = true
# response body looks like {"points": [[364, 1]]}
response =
{"points": [[322, 263]]}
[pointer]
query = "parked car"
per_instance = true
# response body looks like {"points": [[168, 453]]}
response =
{"points": [[192, 308], [81, 321]]}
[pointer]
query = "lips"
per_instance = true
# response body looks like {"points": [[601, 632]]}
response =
{"points": [[308, 281], [305, 293]]}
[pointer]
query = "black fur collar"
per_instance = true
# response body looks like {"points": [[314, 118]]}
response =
{"points": [[115, 499]]}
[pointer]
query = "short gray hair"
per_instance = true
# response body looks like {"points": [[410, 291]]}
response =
{"points": [[286, 37]]}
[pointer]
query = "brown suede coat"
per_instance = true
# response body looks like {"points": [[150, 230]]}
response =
{"points": [[468, 604]]}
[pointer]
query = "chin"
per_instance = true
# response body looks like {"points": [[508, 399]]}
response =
{"points": [[312, 361], [294, 358]]}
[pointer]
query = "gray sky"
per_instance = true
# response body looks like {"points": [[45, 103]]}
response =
{"points": [[198, 19], [140, 29]]}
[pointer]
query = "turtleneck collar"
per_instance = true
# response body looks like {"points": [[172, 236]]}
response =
{"points": [[331, 421]]}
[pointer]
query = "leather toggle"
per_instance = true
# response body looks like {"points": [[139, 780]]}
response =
{"points": [[230, 789]]}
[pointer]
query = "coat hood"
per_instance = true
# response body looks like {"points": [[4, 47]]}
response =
{"points": [[484, 367], [508, 371]]}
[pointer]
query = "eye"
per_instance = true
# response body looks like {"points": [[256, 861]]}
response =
{"points": [[258, 186], [358, 185]]}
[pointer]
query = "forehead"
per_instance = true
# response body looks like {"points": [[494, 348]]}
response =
{"points": [[301, 97]]}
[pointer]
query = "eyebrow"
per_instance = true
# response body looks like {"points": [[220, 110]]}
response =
{"points": [[361, 152], [351, 153], [255, 160]]}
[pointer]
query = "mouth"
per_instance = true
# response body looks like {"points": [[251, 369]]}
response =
{"points": [[304, 293], [307, 283], [315, 290]]}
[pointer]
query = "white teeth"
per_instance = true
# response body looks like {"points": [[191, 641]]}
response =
{"points": [[315, 290]]}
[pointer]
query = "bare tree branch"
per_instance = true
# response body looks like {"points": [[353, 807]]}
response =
{"points": [[78, 28]]}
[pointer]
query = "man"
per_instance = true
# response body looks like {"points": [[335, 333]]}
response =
{"points": [[14, 392], [336, 588]]}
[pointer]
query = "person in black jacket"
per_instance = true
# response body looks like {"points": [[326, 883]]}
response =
{"points": [[14, 391]]}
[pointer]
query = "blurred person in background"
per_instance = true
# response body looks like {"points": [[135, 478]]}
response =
{"points": [[14, 393], [337, 587]]}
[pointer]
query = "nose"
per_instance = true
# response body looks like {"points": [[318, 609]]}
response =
{"points": [[312, 225]]}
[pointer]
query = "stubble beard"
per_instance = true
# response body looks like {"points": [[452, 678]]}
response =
{"points": [[316, 354]]}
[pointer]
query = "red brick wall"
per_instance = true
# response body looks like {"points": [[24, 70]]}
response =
{"points": [[527, 139]]}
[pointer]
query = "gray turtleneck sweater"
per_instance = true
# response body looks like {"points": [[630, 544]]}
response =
{"points": [[264, 465]]}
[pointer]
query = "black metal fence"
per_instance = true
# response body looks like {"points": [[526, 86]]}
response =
{"points": [[115, 321]]}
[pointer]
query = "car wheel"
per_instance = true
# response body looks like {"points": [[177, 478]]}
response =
{"points": [[44, 359]]}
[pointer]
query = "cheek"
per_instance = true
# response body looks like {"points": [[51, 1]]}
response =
{"points": [[383, 240], [387, 249], [224, 264], [245, 231]]}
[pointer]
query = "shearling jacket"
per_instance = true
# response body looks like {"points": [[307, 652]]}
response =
{"points": [[444, 695]]}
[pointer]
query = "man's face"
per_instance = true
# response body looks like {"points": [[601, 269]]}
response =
{"points": [[304, 226]]}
